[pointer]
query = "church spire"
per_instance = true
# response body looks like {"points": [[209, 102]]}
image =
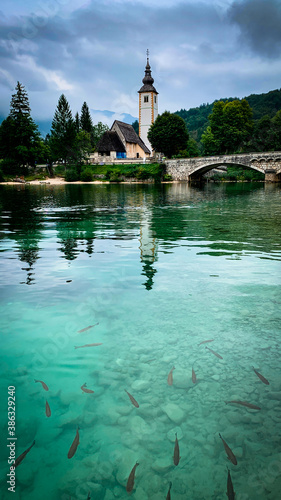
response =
{"points": [[148, 80]]}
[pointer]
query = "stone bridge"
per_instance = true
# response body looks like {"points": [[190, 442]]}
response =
{"points": [[188, 169]]}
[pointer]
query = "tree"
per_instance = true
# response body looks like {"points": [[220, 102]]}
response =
{"points": [[86, 123], [168, 134], [62, 132], [20, 141], [98, 131], [231, 126], [77, 123], [276, 129], [135, 126]]}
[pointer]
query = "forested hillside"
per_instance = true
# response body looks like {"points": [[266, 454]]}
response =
{"points": [[196, 119]]}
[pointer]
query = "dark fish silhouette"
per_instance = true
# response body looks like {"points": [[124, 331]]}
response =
{"points": [[43, 384], [87, 328], [261, 377], [215, 353], [168, 497], [205, 341], [131, 478], [89, 496], [84, 388], [48, 409], [86, 345], [135, 403], [73, 447], [230, 491], [176, 452], [21, 457], [244, 403], [170, 376], [229, 452], [193, 376]]}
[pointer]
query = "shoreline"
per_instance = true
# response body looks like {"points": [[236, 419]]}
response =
{"points": [[59, 181]]}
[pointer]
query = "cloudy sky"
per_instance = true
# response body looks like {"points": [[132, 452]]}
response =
{"points": [[95, 51]]}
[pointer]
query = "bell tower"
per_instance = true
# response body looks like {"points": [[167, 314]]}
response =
{"points": [[148, 104]]}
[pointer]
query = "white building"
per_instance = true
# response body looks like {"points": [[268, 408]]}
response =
{"points": [[148, 105]]}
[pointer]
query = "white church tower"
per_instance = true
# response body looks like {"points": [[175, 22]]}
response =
{"points": [[148, 104]]}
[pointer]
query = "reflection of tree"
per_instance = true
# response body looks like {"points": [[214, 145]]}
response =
{"points": [[68, 241], [25, 226], [28, 252]]}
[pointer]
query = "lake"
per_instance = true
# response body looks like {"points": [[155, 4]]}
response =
{"points": [[108, 296]]}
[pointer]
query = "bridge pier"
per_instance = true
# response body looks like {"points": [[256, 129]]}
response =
{"points": [[270, 175]]}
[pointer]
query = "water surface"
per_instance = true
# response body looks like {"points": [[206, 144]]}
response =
{"points": [[160, 269]]}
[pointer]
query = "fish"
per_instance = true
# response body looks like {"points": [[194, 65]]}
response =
{"points": [[205, 341], [230, 491], [84, 388], [193, 376], [261, 377], [43, 384], [229, 452], [86, 345], [73, 447], [87, 328], [131, 478], [168, 497], [135, 403], [48, 409], [244, 403], [22, 456], [89, 496], [170, 376], [215, 353], [176, 452]]}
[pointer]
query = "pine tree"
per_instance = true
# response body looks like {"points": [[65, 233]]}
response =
{"points": [[62, 132], [20, 142], [85, 119], [77, 122], [19, 103]]}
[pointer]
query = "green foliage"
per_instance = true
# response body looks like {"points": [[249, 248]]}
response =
{"points": [[98, 131], [63, 132], [196, 119], [86, 175], [168, 134], [142, 173], [237, 174], [20, 142], [167, 177], [71, 175], [1, 176], [231, 126], [86, 123], [135, 126]]}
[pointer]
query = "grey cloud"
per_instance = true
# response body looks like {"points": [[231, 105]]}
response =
{"points": [[259, 22]]}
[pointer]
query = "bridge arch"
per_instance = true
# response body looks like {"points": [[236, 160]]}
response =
{"points": [[203, 169]]}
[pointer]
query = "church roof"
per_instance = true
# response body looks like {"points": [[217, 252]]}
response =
{"points": [[130, 135], [148, 81], [110, 141]]}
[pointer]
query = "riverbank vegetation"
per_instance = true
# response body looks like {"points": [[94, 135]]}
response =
{"points": [[154, 172]]}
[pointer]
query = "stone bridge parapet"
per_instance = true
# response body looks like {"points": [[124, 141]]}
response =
{"points": [[187, 169]]}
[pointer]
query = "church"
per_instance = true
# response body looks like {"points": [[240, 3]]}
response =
{"points": [[121, 141]]}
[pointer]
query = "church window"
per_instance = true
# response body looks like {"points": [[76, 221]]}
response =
{"points": [[146, 98], [155, 99]]}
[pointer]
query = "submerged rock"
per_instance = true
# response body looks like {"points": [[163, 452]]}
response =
{"points": [[174, 412], [172, 434]]}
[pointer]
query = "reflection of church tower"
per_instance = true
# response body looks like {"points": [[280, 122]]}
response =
{"points": [[148, 104], [148, 250]]}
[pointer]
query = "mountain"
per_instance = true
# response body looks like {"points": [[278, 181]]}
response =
{"points": [[196, 119]]}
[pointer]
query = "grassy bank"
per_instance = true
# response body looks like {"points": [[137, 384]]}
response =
{"points": [[111, 173]]}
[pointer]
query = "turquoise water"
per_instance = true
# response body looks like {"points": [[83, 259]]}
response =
{"points": [[160, 269]]}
